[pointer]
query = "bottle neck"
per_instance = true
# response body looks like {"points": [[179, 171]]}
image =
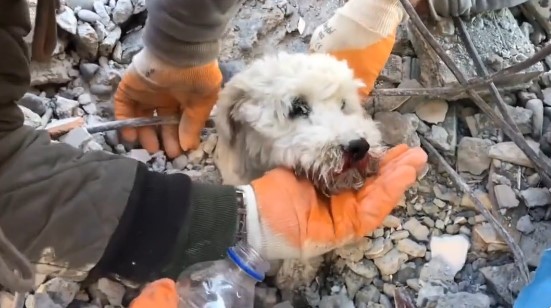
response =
{"points": [[249, 261]]}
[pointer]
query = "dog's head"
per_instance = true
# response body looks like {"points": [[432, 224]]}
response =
{"points": [[301, 111]]}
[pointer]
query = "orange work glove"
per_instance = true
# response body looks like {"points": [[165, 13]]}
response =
{"points": [[160, 293], [150, 85], [287, 219], [361, 32]]}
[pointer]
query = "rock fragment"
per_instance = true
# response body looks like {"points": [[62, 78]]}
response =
{"points": [[433, 111], [472, 155], [416, 229], [534, 197], [505, 197]]}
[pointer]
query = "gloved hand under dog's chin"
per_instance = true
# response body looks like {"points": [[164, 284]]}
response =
{"points": [[292, 220]]}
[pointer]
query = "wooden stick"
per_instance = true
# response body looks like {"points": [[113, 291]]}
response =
{"points": [[542, 167], [520, 261]]}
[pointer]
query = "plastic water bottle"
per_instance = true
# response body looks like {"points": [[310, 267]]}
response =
{"points": [[227, 283]]}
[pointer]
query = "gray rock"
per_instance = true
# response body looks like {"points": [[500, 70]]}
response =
{"points": [[464, 300], [64, 107], [336, 301], [31, 119], [522, 118], [354, 282], [472, 155], [354, 252], [535, 243], [397, 129], [33, 102], [83, 4], [139, 6], [391, 262], [432, 111], [108, 43], [365, 268], [140, 155], [546, 96], [180, 162], [85, 99], [129, 46], [536, 106], [419, 231], [87, 42], [99, 7], [55, 71], [122, 11], [525, 225], [67, 20], [87, 70], [505, 197], [439, 138], [77, 138], [40, 300], [535, 196], [500, 279], [88, 16], [411, 248], [366, 295], [109, 290], [511, 153], [392, 72]]}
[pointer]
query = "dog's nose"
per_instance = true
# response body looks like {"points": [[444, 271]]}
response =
{"points": [[358, 149]]}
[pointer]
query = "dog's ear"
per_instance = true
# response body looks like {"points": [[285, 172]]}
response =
{"points": [[229, 101]]}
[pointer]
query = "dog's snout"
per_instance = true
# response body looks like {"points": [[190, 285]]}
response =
{"points": [[358, 148]]}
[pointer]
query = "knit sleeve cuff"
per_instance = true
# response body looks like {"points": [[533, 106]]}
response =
{"points": [[178, 53], [210, 227]]}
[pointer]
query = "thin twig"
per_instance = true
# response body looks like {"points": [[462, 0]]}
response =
{"points": [[520, 261], [135, 122], [517, 138]]}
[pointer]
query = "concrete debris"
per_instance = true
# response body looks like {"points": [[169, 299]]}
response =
{"points": [[536, 197], [433, 111], [509, 152], [505, 197], [472, 155]]}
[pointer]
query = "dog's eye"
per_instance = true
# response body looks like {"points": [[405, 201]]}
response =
{"points": [[343, 104], [299, 108]]}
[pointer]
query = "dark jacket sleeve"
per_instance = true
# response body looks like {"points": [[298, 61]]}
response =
{"points": [[70, 212], [187, 32], [450, 8]]}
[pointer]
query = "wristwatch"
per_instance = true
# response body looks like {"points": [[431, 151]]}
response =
{"points": [[241, 215]]}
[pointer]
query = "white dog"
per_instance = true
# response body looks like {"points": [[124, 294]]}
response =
{"points": [[300, 111]]}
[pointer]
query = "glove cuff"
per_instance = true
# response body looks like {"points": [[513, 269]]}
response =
{"points": [[259, 236]]}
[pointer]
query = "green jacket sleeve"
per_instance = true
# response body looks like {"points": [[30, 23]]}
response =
{"points": [[450, 8], [71, 212], [187, 32]]}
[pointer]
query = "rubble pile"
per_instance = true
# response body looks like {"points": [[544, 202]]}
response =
{"points": [[435, 244]]}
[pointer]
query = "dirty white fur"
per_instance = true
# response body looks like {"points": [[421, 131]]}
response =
{"points": [[257, 132]]}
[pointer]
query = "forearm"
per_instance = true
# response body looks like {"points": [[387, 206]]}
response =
{"points": [[187, 32], [170, 223], [449, 8]]}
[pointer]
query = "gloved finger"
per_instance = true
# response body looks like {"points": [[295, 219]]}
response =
{"points": [[147, 134], [125, 108], [414, 157], [393, 153], [194, 116], [160, 293], [169, 133], [390, 185], [380, 200]]}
